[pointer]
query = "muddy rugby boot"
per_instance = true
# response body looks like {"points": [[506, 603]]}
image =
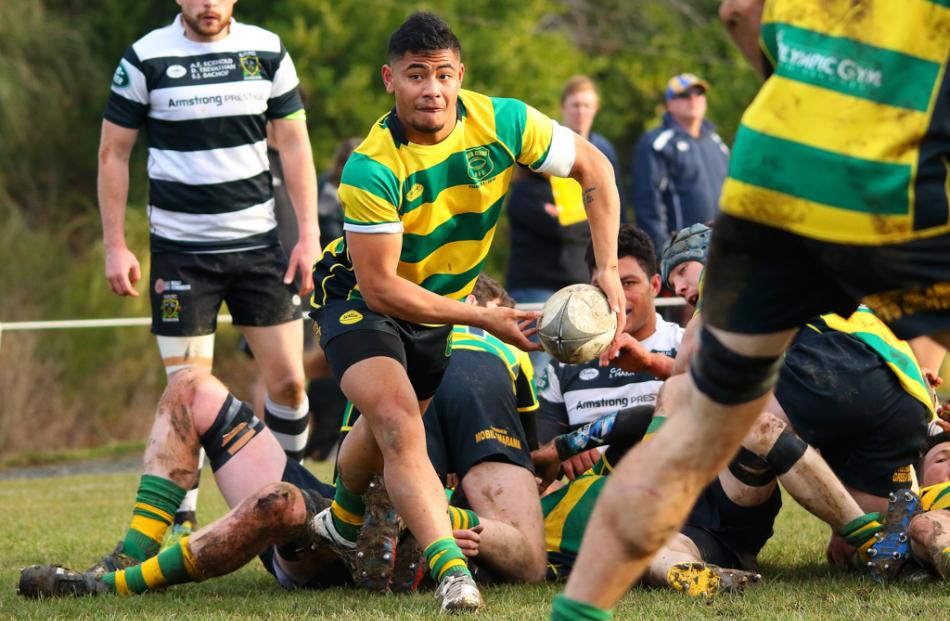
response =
{"points": [[40, 581], [697, 579], [376, 544], [409, 573], [114, 561], [891, 550], [458, 593]]}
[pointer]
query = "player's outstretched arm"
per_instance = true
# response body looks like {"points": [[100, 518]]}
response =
{"points": [[296, 158], [115, 146], [595, 174], [375, 257], [743, 19]]}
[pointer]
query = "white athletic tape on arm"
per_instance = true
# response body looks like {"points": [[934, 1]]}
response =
{"points": [[561, 155]]}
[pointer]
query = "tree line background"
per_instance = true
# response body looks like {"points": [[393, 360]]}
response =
{"points": [[68, 389]]}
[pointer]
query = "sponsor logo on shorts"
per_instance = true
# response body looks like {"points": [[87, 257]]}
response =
{"points": [[902, 475], [350, 317], [171, 308], [498, 435], [162, 285], [589, 374], [448, 346], [176, 71], [414, 192]]}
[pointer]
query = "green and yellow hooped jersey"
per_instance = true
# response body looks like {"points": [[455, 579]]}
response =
{"points": [[864, 325], [445, 198], [847, 140], [518, 363]]}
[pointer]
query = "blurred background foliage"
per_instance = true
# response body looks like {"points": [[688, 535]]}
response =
{"points": [[87, 387]]}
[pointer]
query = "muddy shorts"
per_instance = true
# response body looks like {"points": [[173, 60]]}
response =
{"points": [[760, 279], [728, 534], [842, 399], [474, 417], [186, 290]]}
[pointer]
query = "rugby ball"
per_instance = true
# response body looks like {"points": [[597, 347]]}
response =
{"points": [[577, 324]]}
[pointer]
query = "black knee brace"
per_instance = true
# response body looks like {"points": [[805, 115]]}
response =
{"points": [[233, 428], [751, 469], [729, 378], [786, 451]]}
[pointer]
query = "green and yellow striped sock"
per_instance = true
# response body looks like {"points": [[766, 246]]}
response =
{"points": [[462, 518], [566, 609], [347, 512], [860, 532], [156, 501], [172, 566], [445, 558]]}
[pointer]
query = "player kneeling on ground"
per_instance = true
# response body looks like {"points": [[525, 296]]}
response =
{"points": [[273, 500]]}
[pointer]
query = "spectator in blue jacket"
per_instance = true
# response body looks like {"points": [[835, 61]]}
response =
{"points": [[679, 167]]}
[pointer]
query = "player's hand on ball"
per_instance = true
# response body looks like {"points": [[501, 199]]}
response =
{"points": [[608, 280], [511, 325]]}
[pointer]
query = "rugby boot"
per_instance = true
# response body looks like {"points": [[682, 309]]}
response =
{"points": [[703, 579], [410, 573], [324, 533], [376, 544], [891, 548], [39, 581], [458, 593], [114, 561], [179, 531]]}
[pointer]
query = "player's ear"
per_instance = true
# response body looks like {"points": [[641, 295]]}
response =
{"points": [[471, 299], [655, 284], [461, 71], [387, 73]]}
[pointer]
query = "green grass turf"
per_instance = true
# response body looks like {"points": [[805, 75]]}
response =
{"points": [[75, 520]]}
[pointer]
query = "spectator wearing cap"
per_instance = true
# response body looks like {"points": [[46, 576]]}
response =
{"points": [[679, 167]]}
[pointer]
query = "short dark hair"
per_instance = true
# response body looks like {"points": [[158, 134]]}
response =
{"points": [[632, 242], [422, 32], [488, 289], [928, 445]]}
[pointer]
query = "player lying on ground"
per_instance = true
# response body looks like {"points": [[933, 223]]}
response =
{"points": [[273, 499], [848, 387], [930, 530], [421, 198], [733, 517], [572, 395]]}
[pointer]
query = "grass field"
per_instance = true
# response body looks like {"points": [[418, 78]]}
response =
{"points": [[74, 520]]}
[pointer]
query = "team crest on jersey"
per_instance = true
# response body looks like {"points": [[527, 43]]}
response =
{"points": [[478, 160], [350, 317], [171, 307], [250, 65], [121, 77]]}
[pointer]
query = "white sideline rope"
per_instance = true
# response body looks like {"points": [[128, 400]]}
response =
{"points": [[121, 322]]}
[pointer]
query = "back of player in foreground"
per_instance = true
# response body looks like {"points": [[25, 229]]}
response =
{"points": [[836, 194]]}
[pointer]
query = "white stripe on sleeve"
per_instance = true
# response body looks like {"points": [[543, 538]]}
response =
{"points": [[561, 155]]}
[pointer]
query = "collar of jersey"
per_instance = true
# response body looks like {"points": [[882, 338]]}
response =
{"points": [[398, 132]]}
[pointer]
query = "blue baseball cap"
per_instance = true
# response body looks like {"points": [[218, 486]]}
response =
{"points": [[681, 83]]}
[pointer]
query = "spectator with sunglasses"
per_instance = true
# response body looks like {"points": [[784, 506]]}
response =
{"points": [[679, 167]]}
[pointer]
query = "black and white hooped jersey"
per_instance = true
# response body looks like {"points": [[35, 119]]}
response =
{"points": [[204, 107], [577, 394]]}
